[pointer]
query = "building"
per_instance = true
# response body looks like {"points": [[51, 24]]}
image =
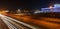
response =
{"points": [[45, 9], [56, 8]]}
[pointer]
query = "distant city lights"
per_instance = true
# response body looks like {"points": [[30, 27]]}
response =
{"points": [[56, 8], [50, 7]]}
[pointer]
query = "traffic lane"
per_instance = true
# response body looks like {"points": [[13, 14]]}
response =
{"points": [[46, 24], [52, 20], [38, 22], [27, 18], [13, 21], [3, 25], [12, 25], [16, 25]]}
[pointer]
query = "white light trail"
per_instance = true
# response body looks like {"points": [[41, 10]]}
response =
{"points": [[8, 19]]}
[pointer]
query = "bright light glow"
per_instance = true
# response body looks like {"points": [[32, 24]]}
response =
{"points": [[56, 5], [19, 14], [19, 10], [38, 12], [6, 11], [1, 15], [50, 7]]}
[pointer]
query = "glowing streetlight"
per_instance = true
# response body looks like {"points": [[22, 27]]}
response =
{"points": [[50, 7]]}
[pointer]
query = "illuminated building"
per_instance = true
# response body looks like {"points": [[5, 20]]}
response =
{"points": [[56, 8]]}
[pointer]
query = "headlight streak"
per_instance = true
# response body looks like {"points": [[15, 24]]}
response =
{"points": [[7, 20]]}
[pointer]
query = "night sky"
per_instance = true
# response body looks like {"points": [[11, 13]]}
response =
{"points": [[30, 4]]}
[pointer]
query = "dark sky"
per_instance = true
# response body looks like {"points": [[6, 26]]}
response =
{"points": [[31, 4]]}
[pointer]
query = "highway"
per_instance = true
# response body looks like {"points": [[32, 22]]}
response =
{"points": [[2, 25], [43, 22], [15, 24]]}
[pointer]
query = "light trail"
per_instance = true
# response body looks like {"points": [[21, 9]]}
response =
{"points": [[9, 25], [13, 24]]}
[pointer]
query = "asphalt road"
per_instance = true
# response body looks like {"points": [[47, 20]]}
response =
{"points": [[13, 24], [2, 25], [44, 22]]}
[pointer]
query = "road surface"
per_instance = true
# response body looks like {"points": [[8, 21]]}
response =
{"points": [[14, 24], [2, 25], [44, 22]]}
